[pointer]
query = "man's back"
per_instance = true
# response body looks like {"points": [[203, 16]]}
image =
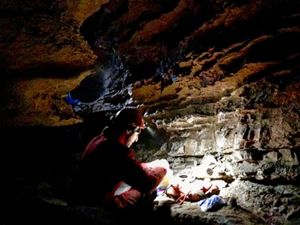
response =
{"points": [[104, 166]]}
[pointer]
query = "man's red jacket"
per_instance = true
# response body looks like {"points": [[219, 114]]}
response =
{"points": [[105, 164]]}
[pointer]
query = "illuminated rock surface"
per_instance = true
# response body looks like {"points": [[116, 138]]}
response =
{"points": [[218, 80]]}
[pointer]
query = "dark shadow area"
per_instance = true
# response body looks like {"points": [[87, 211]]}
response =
{"points": [[90, 88], [37, 167]]}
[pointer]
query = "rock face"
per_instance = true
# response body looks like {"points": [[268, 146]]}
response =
{"points": [[40, 43], [219, 81]]}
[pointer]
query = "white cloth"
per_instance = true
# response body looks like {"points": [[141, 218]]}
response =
{"points": [[123, 188]]}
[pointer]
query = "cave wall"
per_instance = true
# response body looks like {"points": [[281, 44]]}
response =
{"points": [[41, 56], [225, 98], [219, 81]]}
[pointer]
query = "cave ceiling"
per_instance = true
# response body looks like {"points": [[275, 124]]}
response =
{"points": [[172, 58]]}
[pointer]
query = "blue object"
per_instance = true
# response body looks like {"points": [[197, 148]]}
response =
{"points": [[212, 203], [70, 100]]}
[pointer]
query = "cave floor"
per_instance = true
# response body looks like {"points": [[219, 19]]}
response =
{"points": [[39, 210]]}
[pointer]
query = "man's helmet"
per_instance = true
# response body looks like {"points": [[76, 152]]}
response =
{"points": [[128, 118]]}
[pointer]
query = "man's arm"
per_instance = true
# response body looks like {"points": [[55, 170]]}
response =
{"points": [[142, 177]]}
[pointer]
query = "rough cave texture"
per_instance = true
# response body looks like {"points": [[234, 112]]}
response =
{"points": [[40, 50], [219, 82]]}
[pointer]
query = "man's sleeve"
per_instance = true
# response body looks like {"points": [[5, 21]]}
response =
{"points": [[142, 177]]}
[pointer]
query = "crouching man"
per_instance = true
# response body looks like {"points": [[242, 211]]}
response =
{"points": [[109, 175]]}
